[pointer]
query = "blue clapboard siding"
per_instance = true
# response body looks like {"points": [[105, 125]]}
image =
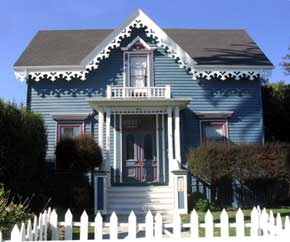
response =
{"points": [[241, 96]]}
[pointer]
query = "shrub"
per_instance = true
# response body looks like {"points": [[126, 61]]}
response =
{"points": [[198, 202], [78, 154], [22, 149], [12, 212], [245, 163]]}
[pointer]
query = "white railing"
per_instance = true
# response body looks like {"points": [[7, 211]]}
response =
{"points": [[136, 92], [263, 225]]}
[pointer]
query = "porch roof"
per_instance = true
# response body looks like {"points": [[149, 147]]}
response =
{"points": [[137, 104]]}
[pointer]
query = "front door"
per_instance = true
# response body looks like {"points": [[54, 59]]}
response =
{"points": [[139, 149]]}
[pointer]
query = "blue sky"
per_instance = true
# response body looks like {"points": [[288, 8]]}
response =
{"points": [[267, 21]]}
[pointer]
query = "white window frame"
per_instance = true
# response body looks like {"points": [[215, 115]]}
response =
{"points": [[126, 62], [201, 125]]}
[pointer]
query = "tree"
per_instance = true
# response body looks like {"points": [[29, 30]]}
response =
{"points": [[276, 110], [286, 62], [22, 147]]}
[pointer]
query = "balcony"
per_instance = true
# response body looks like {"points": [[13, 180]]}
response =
{"points": [[138, 93]]}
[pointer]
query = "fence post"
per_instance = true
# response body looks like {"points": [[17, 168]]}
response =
{"points": [[194, 226], [15, 234], [176, 225], [68, 218], [287, 227], [44, 223], [132, 228], [158, 226], [22, 232], [98, 227], [149, 225], [224, 218], [40, 227], [279, 226], [271, 223], [240, 224], [35, 229], [208, 225], [254, 222], [113, 226], [264, 222], [53, 225], [29, 231], [84, 226]]}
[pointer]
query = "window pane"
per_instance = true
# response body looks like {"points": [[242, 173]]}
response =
{"points": [[138, 71], [70, 131], [214, 132], [148, 147], [130, 147]]}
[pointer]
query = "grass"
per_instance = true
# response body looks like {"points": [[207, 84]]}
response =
{"points": [[216, 217], [232, 213]]}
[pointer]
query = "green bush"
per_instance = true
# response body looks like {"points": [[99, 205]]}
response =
{"points": [[78, 154], [246, 163], [23, 144], [12, 212], [240, 161], [198, 202]]}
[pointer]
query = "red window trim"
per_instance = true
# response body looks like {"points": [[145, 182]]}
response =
{"points": [[60, 125], [224, 124]]}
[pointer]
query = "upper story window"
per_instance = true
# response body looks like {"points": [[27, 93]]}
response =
{"points": [[214, 131], [138, 70], [138, 58]]}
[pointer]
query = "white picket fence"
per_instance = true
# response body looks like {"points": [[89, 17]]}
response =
{"points": [[263, 225]]}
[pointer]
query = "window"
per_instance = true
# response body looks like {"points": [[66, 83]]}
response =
{"points": [[138, 59], [138, 71], [130, 146], [69, 130], [148, 147], [214, 131]]}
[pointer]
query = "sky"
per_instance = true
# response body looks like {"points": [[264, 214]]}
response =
{"points": [[267, 22]]}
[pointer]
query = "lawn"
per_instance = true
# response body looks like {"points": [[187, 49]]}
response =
{"points": [[232, 213], [216, 217]]}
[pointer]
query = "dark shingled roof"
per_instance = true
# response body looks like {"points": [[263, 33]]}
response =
{"points": [[206, 47]]}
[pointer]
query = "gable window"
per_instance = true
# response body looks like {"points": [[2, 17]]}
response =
{"points": [[138, 58], [214, 131], [138, 71], [70, 130]]}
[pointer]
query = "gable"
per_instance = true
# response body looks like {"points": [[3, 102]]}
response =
{"points": [[73, 53]]}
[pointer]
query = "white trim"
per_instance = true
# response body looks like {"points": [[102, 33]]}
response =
{"points": [[163, 148], [101, 130], [214, 120], [170, 143], [115, 145], [108, 124], [177, 134], [121, 148], [157, 148], [138, 38]]}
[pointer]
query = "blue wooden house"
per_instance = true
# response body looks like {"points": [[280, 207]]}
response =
{"points": [[146, 95]]}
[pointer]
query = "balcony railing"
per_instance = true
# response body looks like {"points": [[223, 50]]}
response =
{"points": [[137, 92]]}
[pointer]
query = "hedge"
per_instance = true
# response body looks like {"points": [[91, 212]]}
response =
{"points": [[23, 144]]}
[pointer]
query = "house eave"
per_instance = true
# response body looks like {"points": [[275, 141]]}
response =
{"points": [[101, 104]]}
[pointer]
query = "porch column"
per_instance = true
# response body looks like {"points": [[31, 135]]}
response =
{"points": [[170, 143], [101, 130], [108, 124], [177, 135]]}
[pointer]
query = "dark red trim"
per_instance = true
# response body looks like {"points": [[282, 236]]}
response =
{"points": [[72, 125]]}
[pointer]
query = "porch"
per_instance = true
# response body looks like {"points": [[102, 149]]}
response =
{"points": [[139, 133]]}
